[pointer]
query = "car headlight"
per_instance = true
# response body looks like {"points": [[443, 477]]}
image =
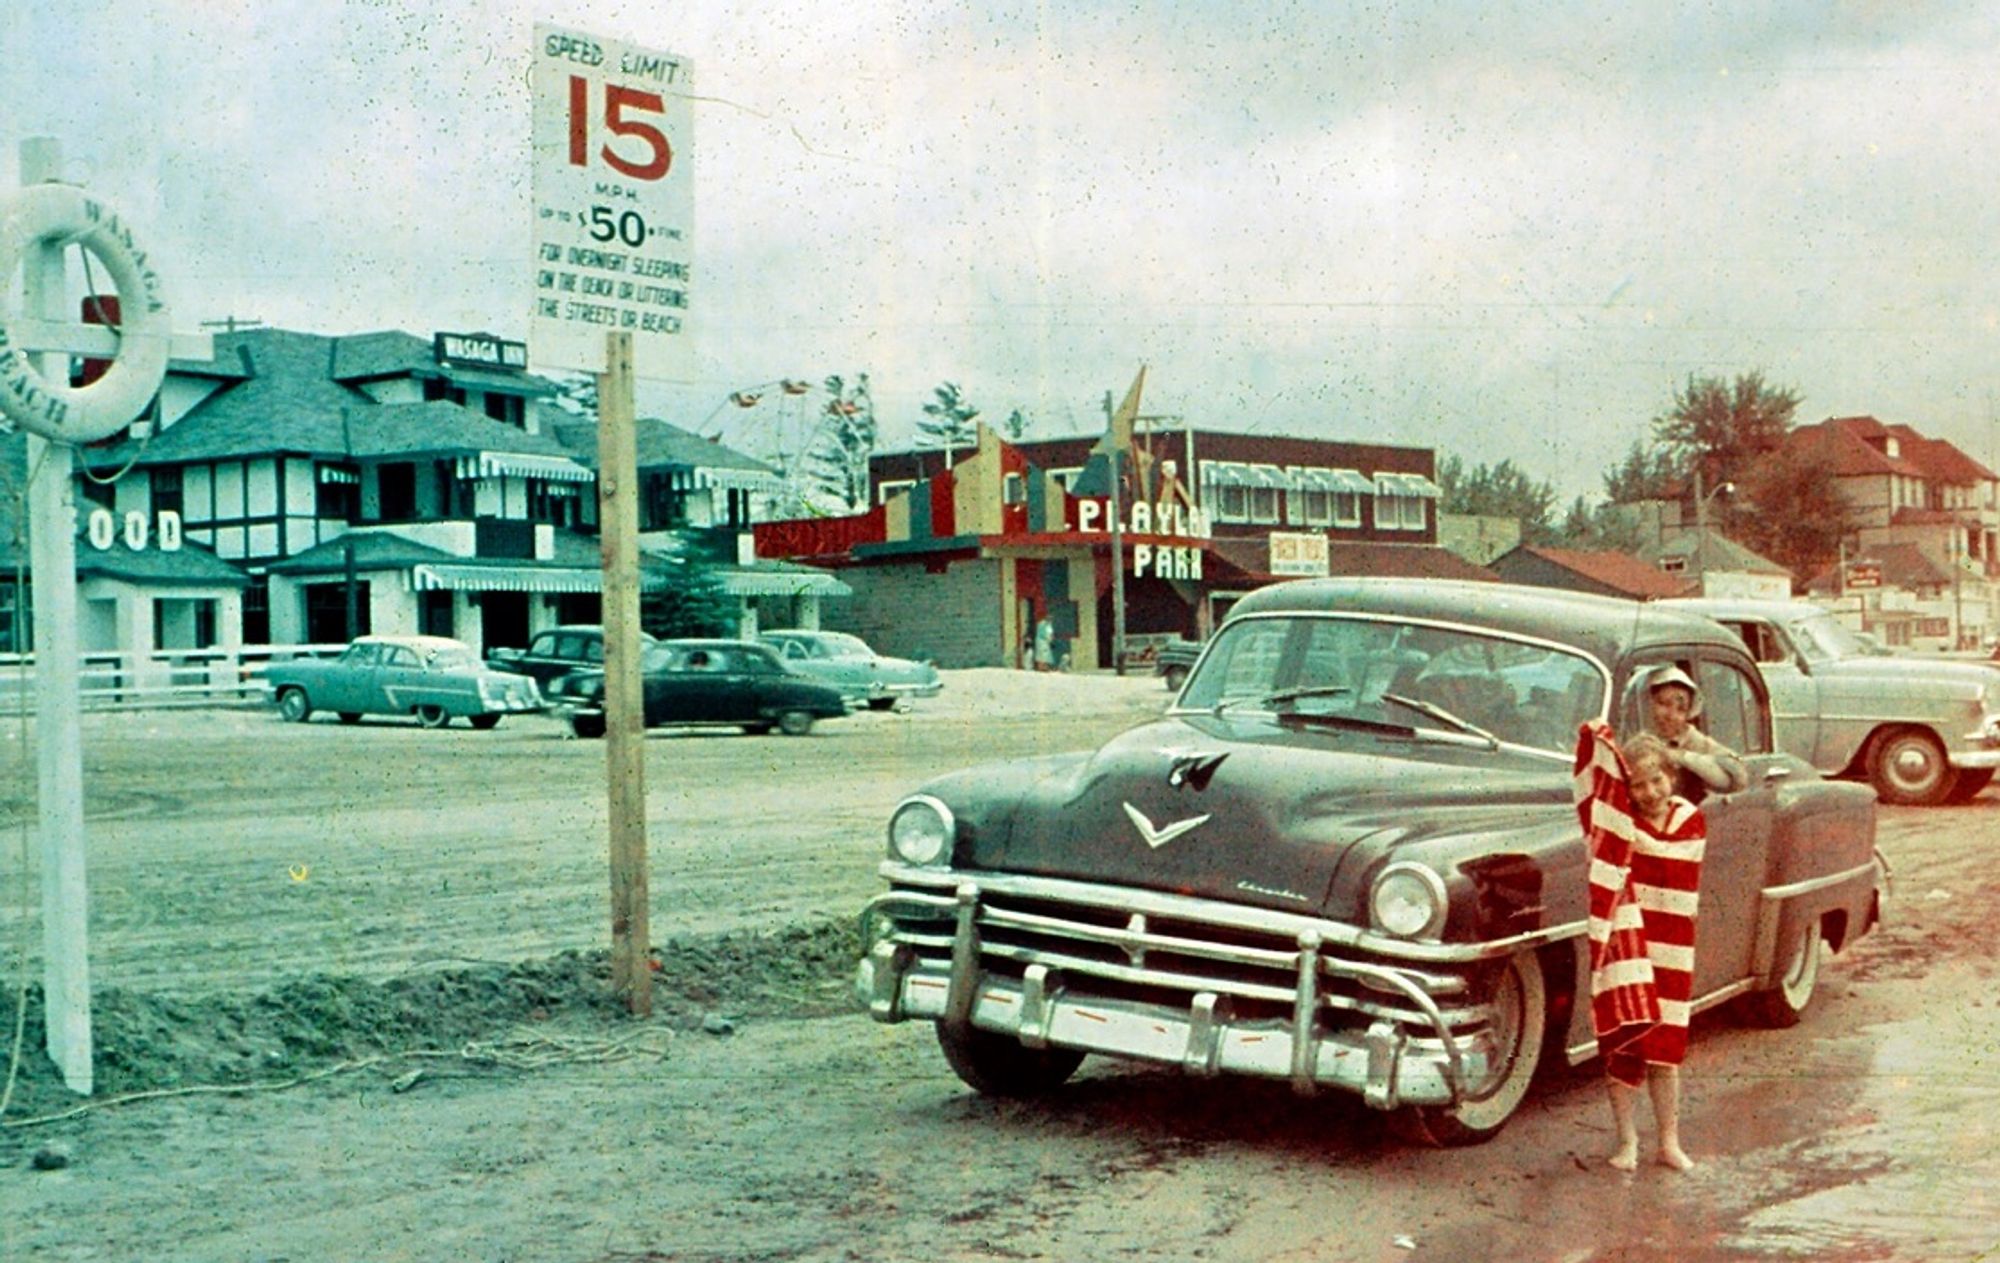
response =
{"points": [[1408, 901], [920, 830]]}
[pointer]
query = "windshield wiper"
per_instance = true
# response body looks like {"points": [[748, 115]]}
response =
{"points": [[1277, 701], [1443, 716]]}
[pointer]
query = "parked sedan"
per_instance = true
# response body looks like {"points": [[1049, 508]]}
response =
{"points": [[848, 664], [1347, 858], [430, 677], [736, 683], [1919, 729], [557, 651]]}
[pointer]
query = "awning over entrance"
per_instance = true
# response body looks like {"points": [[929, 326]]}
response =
{"points": [[429, 578], [738, 479], [522, 465], [788, 582]]}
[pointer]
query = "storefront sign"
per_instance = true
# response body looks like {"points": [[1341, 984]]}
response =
{"points": [[1864, 574], [1165, 518], [1163, 562], [613, 202], [479, 350], [1299, 554]]}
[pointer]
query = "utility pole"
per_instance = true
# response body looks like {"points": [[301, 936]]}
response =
{"points": [[624, 721]]}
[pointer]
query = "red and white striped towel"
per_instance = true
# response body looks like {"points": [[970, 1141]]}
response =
{"points": [[1644, 890]]}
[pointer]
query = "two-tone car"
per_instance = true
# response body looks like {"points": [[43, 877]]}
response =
{"points": [[866, 678], [1347, 857], [705, 683], [1920, 730], [432, 678]]}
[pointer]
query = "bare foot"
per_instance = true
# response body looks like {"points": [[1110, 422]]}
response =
{"points": [[1626, 1158], [1674, 1156]]}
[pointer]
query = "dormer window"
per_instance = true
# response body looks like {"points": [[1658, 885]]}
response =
{"points": [[1891, 448]]}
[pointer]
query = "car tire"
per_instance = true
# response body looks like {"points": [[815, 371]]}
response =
{"points": [[795, 723], [350, 717], [1000, 1065], [589, 727], [431, 715], [1971, 780], [881, 703], [1908, 766], [1785, 1004], [485, 723], [1521, 1007], [1176, 676], [294, 706]]}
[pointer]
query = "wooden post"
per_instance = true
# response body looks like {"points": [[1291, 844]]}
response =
{"points": [[624, 720], [58, 699]]}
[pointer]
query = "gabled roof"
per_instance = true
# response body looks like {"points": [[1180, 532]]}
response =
{"points": [[1619, 573], [189, 565], [1856, 446], [289, 401], [1709, 551], [393, 353], [1903, 566], [373, 550], [660, 443]]}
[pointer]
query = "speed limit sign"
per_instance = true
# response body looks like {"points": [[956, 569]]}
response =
{"points": [[613, 203]]}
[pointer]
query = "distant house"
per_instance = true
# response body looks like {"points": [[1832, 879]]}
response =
{"points": [[1718, 566], [1601, 573]]}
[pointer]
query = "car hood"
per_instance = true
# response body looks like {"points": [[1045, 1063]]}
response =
{"points": [[1293, 817], [1905, 676]]}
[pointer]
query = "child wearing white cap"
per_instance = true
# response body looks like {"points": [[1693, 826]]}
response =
{"points": [[1674, 704]]}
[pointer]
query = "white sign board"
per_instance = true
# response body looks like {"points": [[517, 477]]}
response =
{"points": [[1299, 554], [613, 203]]}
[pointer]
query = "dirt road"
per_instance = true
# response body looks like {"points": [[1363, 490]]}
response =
{"points": [[231, 854]]}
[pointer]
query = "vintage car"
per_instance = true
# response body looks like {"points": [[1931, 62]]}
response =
{"points": [[733, 683], [556, 651], [430, 677], [846, 662], [1921, 730], [1173, 660], [1347, 856]]}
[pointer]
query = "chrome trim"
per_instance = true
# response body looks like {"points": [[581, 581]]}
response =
{"points": [[1129, 899], [1810, 884], [1973, 758]]}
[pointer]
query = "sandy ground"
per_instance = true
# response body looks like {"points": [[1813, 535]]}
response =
{"points": [[756, 1118]]}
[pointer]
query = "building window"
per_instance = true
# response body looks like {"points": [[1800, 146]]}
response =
{"points": [[1264, 504], [663, 500], [257, 611], [1013, 489], [507, 409], [167, 490], [434, 612], [1413, 513], [326, 612], [396, 486], [338, 497], [437, 389], [1674, 565], [455, 495], [1347, 508]]}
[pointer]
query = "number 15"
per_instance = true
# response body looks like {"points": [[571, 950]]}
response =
{"points": [[618, 99]]}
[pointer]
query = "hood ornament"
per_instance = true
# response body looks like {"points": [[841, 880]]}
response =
{"points": [[1156, 837], [1193, 770]]}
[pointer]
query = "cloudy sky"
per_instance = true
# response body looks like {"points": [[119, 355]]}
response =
{"points": [[1499, 229]]}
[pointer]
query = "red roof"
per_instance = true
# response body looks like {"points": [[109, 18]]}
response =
{"points": [[1621, 572], [1859, 445]]}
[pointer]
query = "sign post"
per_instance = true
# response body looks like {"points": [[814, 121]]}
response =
{"points": [[35, 230], [613, 209]]}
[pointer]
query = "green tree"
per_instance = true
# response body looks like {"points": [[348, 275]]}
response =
{"points": [[1502, 490], [839, 458], [1017, 424], [950, 421], [1600, 527], [690, 601], [1724, 428], [1646, 473]]}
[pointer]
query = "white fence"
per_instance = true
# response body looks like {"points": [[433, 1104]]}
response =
{"points": [[163, 677]]}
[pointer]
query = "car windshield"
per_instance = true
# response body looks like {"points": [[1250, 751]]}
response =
{"points": [[1407, 675], [1821, 639], [842, 645]]}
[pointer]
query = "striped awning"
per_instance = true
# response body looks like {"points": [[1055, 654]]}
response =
{"points": [[1407, 485], [522, 465], [1229, 473], [428, 577], [729, 479]]}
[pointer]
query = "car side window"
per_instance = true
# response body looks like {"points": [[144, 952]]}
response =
{"points": [[592, 649], [399, 656], [1729, 709], [543, 646], [1765, 642], [793, 649], [360, 655]]}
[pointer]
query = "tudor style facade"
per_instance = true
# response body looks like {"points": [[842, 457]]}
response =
{"points": [[325, 486]]}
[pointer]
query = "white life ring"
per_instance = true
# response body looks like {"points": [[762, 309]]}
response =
{"points": [[63, 214]]}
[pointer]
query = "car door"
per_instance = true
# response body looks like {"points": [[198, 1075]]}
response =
{"points": [[399, 681], [1737, 863], [347, 684], [679, 693], [1795, 707], [731, 697]]}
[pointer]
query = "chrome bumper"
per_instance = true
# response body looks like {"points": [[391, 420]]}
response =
{"points": [[1387, 1063]]}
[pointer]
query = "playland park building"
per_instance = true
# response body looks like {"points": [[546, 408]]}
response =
{"points": [[963, 554]]}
